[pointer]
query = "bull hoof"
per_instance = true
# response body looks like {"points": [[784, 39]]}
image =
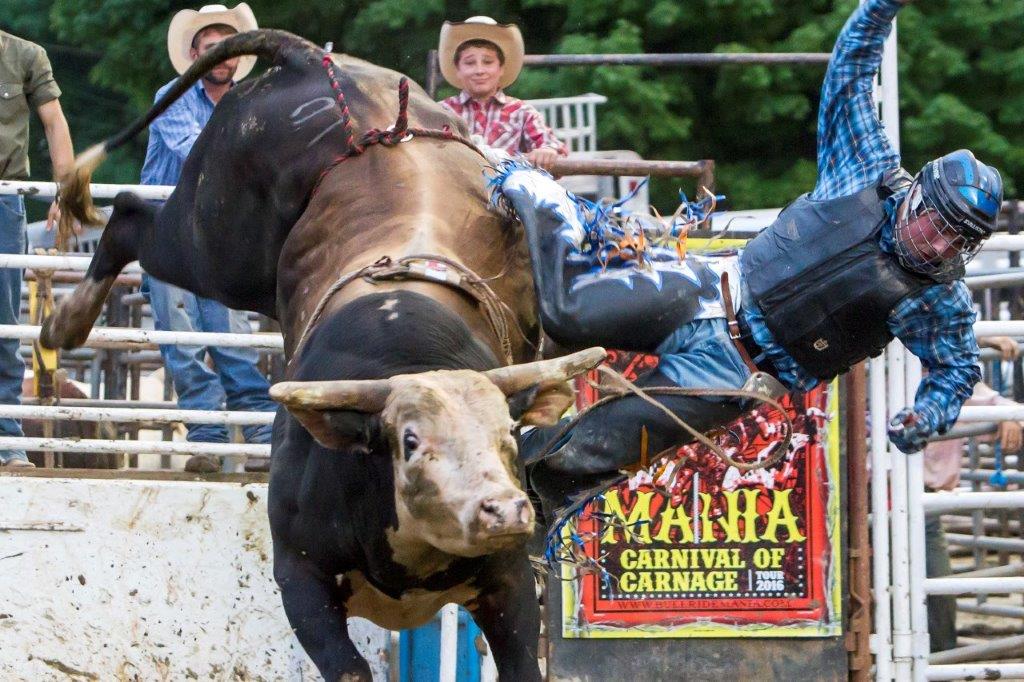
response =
{"points": [[61, 331], [53, 336]]}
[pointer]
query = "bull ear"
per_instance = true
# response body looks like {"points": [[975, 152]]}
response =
{"points": [[550, 400], [339, 430], [515, 378], [338, 414], [546, 380]]}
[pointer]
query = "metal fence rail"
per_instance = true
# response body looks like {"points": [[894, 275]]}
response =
{"points": [[135, 414], [132, 447], [123, 337]]}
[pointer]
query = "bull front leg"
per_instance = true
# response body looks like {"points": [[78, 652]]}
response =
{"points": [[315, 607], [72, 320], [509, 615]]}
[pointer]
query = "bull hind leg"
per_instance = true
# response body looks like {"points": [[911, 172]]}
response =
{"points": [[72, 320]]}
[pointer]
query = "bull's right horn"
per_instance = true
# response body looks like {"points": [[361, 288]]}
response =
{"points": [[367, 395], [515, 378], [310, 401]]}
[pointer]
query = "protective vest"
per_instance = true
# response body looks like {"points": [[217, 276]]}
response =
{"points": [[824, 284]]}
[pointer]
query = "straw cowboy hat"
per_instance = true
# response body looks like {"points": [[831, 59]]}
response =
{"points": [[188, 22], [505, 36]]}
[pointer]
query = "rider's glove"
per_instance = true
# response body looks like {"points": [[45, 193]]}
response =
{"points": [[909, 429]]}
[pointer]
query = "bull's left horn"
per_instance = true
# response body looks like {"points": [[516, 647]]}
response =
{"points": [[362, 396], [515, 378]]}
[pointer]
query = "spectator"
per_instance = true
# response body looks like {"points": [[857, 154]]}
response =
{"points": [[942, 464], [481, 57], [235, 379], [26, 82]]}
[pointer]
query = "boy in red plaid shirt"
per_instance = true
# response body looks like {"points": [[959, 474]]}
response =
{"points": [[481, 57]]}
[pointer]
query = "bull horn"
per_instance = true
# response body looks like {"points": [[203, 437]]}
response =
{"points": [[362, 396], [515, 378]]}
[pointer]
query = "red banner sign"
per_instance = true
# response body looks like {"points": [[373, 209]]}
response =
{"points": [[692, 547]]}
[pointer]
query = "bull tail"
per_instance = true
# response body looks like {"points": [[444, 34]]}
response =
{"points": [[271, 44]]}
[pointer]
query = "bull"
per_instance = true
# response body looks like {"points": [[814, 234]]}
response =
{"points": [[394, 483]]}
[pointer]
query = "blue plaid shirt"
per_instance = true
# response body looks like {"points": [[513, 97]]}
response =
{"points": [[173, 133], [937, 324]]}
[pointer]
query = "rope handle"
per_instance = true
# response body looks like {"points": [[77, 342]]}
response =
{"points": [[776, 456]]}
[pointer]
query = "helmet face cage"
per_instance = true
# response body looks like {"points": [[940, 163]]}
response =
{"points": [[926, 242]]}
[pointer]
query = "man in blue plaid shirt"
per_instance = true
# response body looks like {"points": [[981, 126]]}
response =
{"points": [[870, 254], [235, 381]]}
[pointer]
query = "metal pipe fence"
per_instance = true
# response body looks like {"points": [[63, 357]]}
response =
{"points": [[900, 491], [132, 414]]}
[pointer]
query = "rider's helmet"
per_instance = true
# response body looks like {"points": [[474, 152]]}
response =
{"points": [[951, 208]]}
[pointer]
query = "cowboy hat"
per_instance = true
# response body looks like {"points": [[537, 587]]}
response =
{"points": [[188, 22], [505, 36]]}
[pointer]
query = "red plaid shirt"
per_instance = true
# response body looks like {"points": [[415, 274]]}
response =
{"points": [[505, 122]]}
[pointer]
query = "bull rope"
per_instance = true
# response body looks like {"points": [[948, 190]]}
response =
{"points": [[466, 281], [389, 137]]}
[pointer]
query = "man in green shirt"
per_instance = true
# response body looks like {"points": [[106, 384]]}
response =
{"points": [[26, 83]]}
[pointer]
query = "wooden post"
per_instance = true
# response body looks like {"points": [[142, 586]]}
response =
{"points": [[433, 74], [857, 638], [706, 178]]}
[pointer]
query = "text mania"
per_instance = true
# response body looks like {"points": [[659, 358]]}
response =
{"points": [[739, 521]]}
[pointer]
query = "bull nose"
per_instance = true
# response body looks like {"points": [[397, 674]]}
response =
{"points": [[498, 517]]}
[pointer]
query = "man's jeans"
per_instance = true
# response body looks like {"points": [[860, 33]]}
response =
{"points": [[12, 367], [237, 382]]}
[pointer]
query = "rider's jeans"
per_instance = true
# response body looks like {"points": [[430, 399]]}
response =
{"points": [[700, 354], [235, 381], [12, 367]]}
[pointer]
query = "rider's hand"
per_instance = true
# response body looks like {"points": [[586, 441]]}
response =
{"points": [[909, 430]]}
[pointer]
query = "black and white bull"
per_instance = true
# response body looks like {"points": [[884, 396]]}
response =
{"points": [[394, 484]]}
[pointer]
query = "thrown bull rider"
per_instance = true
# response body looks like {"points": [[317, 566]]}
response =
{"points": [[870, 254]]}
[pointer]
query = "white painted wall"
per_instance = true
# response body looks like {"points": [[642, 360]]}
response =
{"points": [[149, 580]]}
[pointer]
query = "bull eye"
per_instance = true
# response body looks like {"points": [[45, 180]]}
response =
{"points": [[410, 441]]}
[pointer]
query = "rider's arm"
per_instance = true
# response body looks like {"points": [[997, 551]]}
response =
{"points": [[853, 149], [937, 326]]}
